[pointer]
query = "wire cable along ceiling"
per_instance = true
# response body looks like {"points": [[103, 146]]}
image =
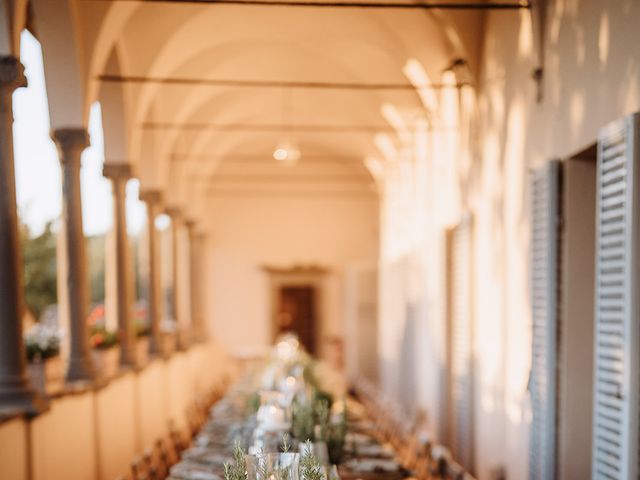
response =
{"points": [[242, 83], [343, 4]]}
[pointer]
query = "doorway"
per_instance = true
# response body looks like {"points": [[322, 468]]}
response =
{"points": [[297, 314], [297, 303], [576, 325], [460, 338]]}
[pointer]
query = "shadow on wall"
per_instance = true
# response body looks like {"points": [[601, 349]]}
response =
{"points": [[407, 379]]}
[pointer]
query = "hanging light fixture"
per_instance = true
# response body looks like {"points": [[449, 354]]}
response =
{"points": [[286, 151]]}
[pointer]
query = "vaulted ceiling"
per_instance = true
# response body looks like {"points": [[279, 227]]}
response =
{"points": [[196, 96]]}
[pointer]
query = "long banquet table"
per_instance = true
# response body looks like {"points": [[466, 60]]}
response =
{"points": [[364, 457]]}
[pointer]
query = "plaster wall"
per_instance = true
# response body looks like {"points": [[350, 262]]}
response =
{"points": [[14, 453], [591, 70], [96, 433], [248, 233]]}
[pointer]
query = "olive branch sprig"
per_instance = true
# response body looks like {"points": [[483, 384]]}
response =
{"points": [[310, 466], [236, 470]]}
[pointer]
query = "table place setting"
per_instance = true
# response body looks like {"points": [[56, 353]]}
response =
{"points": [[280, 421]]}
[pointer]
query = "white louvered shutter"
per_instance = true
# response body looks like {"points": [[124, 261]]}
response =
{"points": [[461, 345], [615, 421], [545, 229]]}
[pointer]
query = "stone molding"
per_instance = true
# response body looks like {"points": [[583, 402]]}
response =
{"points": [[175, 213], [154, 197], [12, 72], [117, 171], [69, 140]]}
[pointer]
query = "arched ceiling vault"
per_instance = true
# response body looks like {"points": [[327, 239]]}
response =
{"points": [[163, 40]]}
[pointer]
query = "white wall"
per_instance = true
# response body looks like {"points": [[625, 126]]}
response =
{"points": [[592, 76], [14, 461], [247, 233], [97, 433]]}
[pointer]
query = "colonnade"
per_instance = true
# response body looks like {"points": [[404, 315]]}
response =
{"points": [[16, 393]]}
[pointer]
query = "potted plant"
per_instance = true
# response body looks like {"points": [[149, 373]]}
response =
{"points": [[106, 352], [46, 371]]}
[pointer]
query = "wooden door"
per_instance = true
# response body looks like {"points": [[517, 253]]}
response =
{"points": [[297, 314]]}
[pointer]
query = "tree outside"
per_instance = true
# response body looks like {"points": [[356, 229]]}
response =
{"points": [[39, 268]]}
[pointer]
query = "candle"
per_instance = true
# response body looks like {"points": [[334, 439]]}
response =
{"points": [[272, 417]]}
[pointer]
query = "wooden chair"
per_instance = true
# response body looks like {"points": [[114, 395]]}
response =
{"points": [[155, 463], [139, 469]]}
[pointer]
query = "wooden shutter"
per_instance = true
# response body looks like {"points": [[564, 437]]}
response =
{"points": [[461, 356], [545, 262], [615, 421]]}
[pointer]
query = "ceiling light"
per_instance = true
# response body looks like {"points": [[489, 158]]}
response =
{"points": [[287, 153]]}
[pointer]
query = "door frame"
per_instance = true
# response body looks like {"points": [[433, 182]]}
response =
{"points": [[297, 276]]}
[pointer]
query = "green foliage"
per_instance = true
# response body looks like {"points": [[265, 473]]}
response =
{"points": [[143, 329], [303, 421], [310, 377], [42, 342], [39, 272], [253, 403], [335, 436], [236, 470], [102, 338], [310, 466], [265, 471], [96, 259], [307, 415], [286, 444], [322, 396]]}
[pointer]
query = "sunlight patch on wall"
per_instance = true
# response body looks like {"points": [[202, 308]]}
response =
{"points": [[387, 147], [555, 21], [576, 112], [375, 167], [394, 118], [418, 77], [525, 35], [603, 40]]}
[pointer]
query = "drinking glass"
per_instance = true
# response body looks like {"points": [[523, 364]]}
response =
{"points": [[318, 449], [272, 466]]}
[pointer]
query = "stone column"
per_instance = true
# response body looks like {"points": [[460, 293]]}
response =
{"points": [[196, 239], [153, 200], [176, 227], [119, 174], [15, 391], [71, 142]]}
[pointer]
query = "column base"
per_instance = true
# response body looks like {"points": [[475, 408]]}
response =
{"points": [[80, 369], [155, 346], [184, 341], [16, 395], [127, 356]]}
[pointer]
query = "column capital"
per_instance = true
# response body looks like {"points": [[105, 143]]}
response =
{"points": [[154, 197], [201, 234], [196, 230], [12, 72], [175, 213], [69, 139], [117, 171]]}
